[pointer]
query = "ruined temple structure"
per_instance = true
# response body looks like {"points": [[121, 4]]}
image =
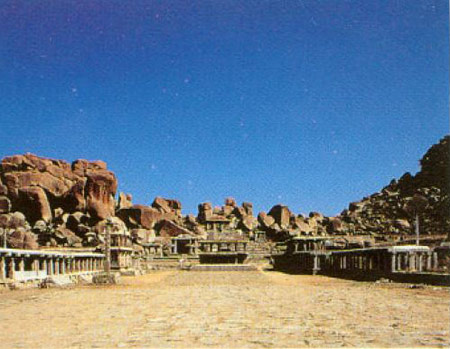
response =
{"points": [[48, 204], [223, 251]]}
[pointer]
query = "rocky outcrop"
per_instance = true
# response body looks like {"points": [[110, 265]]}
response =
{"points": [[387, 212], [140, 216], [235, 217], [281, 215], [101, 186], [205, 212], [167, 206], [64, 204], [167, 228], [125, 201], [34, 204], [83, 186], [435, 168], [248, 208], [5, 204], [143, 236], [265, 221], [22, 239], [53, 195]]}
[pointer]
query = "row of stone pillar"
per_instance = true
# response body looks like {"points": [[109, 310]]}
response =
{"points": [[51, 265], [358, 261], [215, 246], [308, 262], [124, 260], [300, 246], [394, 262], [414, 261]]}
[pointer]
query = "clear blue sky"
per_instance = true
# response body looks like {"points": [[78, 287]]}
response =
{"points": [[308, 103]]}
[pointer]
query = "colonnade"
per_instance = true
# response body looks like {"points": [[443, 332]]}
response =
{"points": [[371, 260], [416, 261], [218, 246], [121, 258], [26, 265], [312, 244]]}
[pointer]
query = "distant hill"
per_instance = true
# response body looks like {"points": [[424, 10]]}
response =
{"points": [[384, 212]]}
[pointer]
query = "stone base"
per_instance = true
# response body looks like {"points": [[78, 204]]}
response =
{"points": [[223, 267], [103, 278]]}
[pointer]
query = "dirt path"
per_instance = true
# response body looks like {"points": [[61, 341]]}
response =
{"points": [[232, 309]]}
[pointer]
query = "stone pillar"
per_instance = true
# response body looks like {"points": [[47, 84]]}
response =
{"points": [[420, 262], [35, 265], [316, 267], [57, 266], [45, 265], [394, 264], [412, 262], [12, 268], [2, 268], [22, 264], [63, 265], [50, 269], [435, 260], [429, 259], [399, 262]]}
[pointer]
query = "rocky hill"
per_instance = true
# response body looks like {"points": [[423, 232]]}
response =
{"points": [[47, 202], [383, 215], [386, 212]]}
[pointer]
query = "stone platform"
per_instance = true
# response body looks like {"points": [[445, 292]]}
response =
{"points": [[223, 267]]}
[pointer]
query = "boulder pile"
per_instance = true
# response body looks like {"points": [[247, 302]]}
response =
{"points": [[387, 212], [47, 202], [50, 193]]}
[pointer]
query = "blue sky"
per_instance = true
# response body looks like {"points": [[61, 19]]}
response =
{"points": [[313, 104]]}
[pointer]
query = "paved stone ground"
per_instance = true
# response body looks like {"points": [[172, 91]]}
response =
{"points": [[226, 309]]}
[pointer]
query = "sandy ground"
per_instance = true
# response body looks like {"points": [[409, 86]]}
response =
{"points": [[226, 309]]}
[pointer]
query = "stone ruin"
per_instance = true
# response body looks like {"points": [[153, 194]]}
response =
{"points": [[47, 202]]}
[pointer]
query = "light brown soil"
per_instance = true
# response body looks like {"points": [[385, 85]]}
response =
{"points": [[226, 309]]}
